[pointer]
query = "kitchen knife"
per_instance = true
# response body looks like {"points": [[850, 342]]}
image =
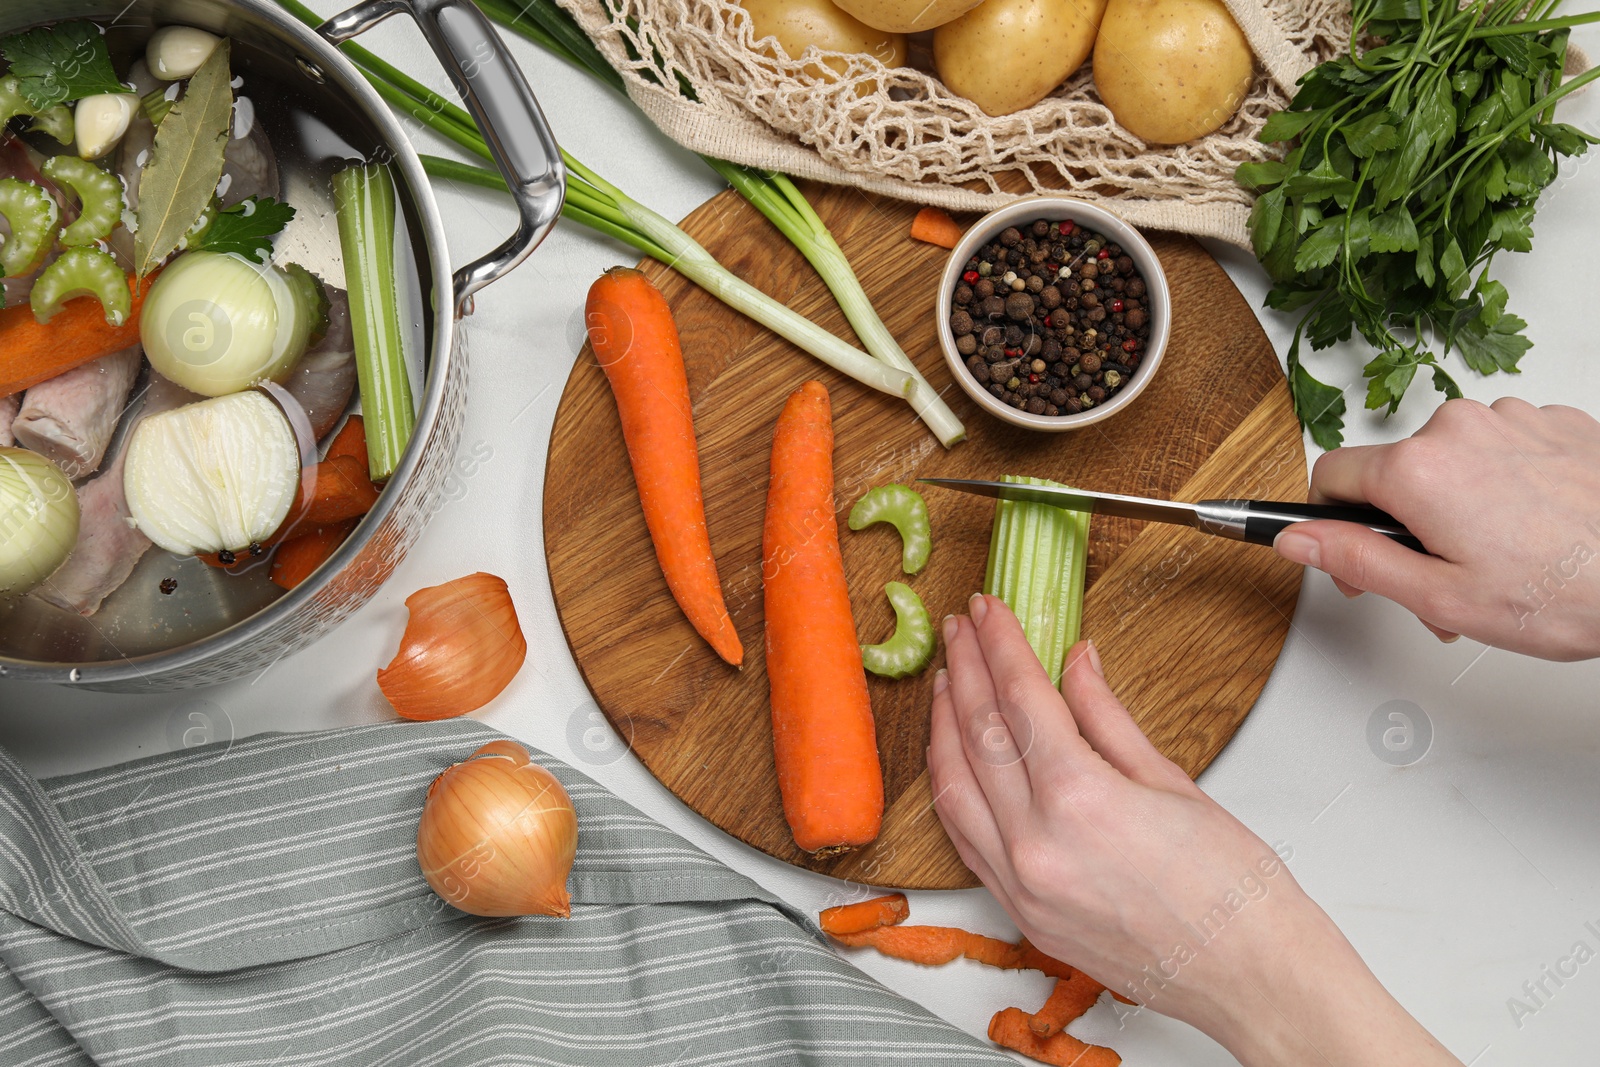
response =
{"points": [[1255, 521]]}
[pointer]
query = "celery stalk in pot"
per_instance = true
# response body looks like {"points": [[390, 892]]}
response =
{"points": [[366, 208]]}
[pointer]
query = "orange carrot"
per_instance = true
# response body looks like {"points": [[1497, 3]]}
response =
{"points": [[636, 342], [1009, 1029], [31, 353], [331, 492], [297, 557], [936, 227], [823, 738], [865, 915], [351, 440], [1069, 999]]}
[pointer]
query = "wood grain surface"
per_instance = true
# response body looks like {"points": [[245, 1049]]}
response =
{"points": [[1189, 626]]}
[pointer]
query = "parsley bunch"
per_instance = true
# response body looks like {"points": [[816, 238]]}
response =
{"points": [[1415, 159]]}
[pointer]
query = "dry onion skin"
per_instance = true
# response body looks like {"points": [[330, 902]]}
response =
{"points": [[498, 835], [461, 648]]}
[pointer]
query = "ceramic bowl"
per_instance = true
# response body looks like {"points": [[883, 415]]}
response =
{"points": [[1158, 302]]}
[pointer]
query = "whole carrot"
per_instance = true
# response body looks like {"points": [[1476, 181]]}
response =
{"points": [[823, 738], [31, 353], [636, 342]]}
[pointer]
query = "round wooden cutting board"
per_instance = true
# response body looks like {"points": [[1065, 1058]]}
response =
{"points": [[1188, 625]]}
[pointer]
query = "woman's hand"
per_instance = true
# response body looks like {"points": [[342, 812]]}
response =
{"points": [[1107, 856], [1506, 497]]}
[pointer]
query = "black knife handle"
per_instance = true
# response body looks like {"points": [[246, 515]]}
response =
{"points": [[1265, 519]]}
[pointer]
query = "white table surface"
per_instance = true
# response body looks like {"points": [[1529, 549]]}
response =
{"points": [[1460, 877]]}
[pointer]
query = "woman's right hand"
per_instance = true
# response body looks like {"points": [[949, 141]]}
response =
{"points": [[1506, 497]]}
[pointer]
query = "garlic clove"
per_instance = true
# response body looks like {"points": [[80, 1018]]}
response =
{"points": [[101, 120], [213, 476], [176, 52]]}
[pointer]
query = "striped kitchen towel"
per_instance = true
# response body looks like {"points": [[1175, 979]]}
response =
{"points": [[260, 903]]}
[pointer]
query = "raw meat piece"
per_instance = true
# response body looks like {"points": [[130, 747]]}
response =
{"points": [[109, 544], [71, 417], [8, 411], [326, 375]]}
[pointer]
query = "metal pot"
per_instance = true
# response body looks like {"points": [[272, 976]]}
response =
{"points": [[220, 626]]}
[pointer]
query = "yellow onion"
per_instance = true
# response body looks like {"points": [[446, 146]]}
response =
{"points": [[498, 835], [461, 648]]}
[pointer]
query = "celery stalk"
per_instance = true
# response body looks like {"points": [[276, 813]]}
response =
{"points": [[1037, 557], [365, 198]]}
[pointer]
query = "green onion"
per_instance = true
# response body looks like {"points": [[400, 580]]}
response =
{"points": [[1037, 556], [776, 197], [595, 203], [910, 650], [364, 195]]}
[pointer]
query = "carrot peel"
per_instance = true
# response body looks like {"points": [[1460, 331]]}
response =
{"points": [[1009, 1028], [1069, 999], [865, 915]]}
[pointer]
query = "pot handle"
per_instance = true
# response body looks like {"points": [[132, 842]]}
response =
{"points": [[497, 95]]}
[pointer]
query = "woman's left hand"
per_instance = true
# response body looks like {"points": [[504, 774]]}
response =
{"points": [[1109, 857]]}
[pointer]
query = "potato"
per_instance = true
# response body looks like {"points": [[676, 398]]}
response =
{"points": [[798, 24], [907, 16], [1005, 55], [1171, 70]]}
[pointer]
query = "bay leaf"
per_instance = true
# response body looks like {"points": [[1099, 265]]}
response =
{"points": [[185, 162]]}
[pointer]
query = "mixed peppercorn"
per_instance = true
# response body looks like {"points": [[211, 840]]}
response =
{"points": [[1051, 318]]}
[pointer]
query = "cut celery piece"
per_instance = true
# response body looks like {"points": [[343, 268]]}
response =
{"points": [[904, 509], [98, 191], [55, 121], [82, 272], [1037, 556], [910, 650], [32, 215]]}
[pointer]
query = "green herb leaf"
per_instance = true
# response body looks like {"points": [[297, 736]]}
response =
{"points": [[1453, 270], [1319, 405], [1388, 377], [1286, 125], [1375, 133], [1394, 230], [61, 63], [1396, 10], [246, 229], [1445, 384], [1261, 175], [185, 162], [1321, 248], [1493, 348], [1512, 228], [1425, 273], [1568, 140], [1528, 169], [1430, 123]]}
